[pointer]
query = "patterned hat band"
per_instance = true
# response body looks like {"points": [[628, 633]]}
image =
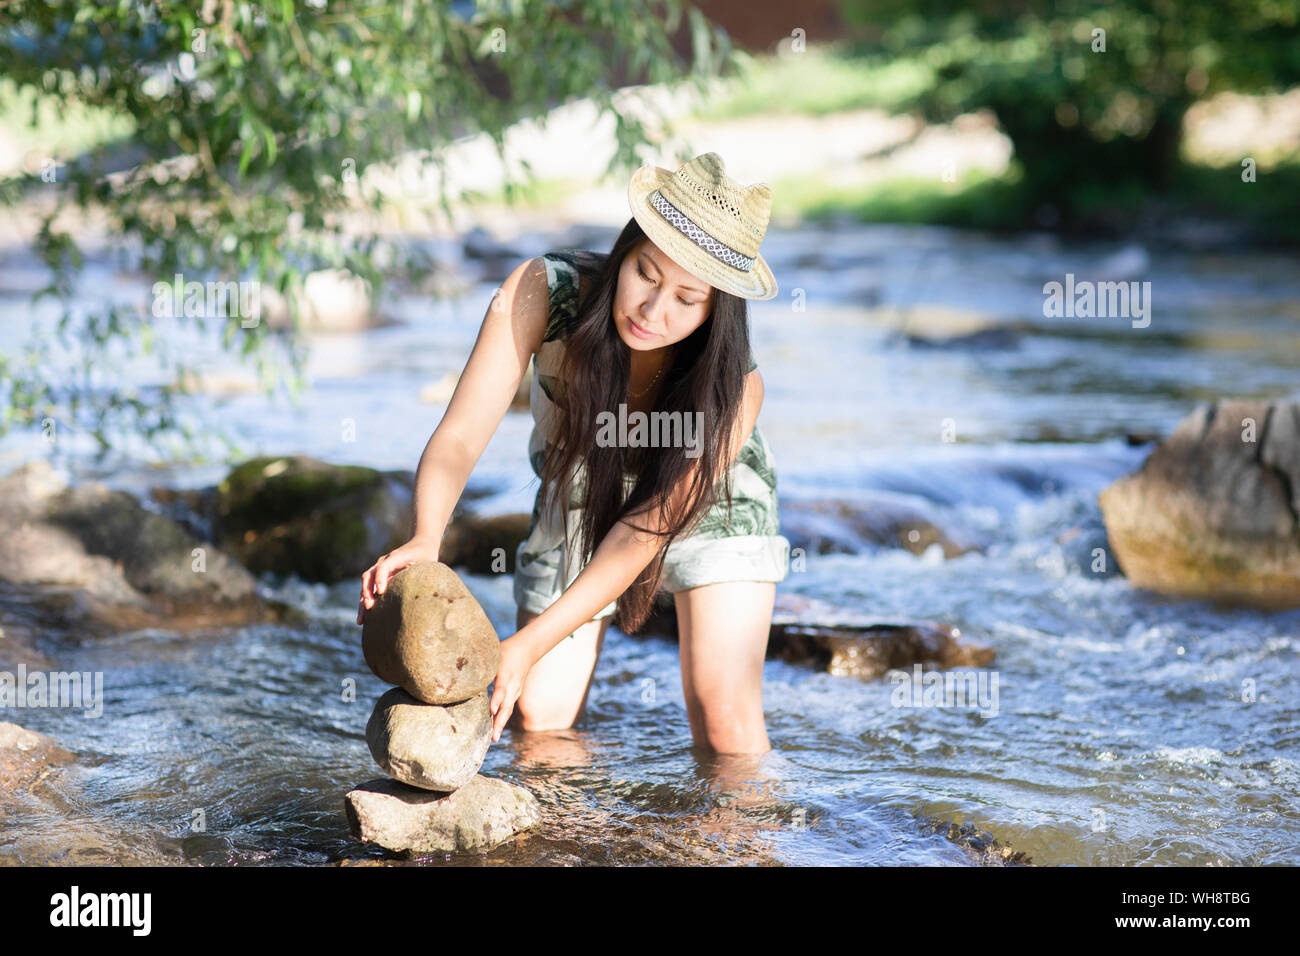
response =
{"points": [[688, 228]]}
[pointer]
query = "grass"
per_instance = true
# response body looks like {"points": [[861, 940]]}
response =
{"points": [[816, 82], [1000, 203], [537, 195], [978, 200]]}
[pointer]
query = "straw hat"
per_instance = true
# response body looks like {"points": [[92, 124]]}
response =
{"points": [[707, 223]]}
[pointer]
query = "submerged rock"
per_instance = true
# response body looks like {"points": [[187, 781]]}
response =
{"points": [[1214, 511], [831, 526], [478, 816], [870, 651], [1086, 549], [427, 745], [980, 844], [428, 635], [979, 340], [806, 632], [20, 631], [26, 757]]}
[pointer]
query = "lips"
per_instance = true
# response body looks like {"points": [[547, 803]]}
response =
{"points": [[638, 331]]}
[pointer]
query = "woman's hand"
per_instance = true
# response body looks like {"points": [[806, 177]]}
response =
{"points": [[374, 580], [516, 662]]}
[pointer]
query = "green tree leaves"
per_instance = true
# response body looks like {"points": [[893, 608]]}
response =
{"points": [[248, 119]]}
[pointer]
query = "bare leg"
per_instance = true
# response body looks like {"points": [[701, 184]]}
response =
{"points": [[555, 691], [723, 630]]}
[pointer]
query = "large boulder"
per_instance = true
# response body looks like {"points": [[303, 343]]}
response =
{"points": [[295, 515], [477, 817], [97, 559], [1214, 511], [428, 635], [429, 746]]}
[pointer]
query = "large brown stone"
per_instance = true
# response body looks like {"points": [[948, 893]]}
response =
{"points": [[428, 635], [1214, 511], [478, 816], [429, 746]]}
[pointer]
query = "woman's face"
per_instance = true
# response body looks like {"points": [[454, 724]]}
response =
{"points": [[665, 302]]}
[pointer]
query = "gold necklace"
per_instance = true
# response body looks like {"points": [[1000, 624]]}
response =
{"points": [[648, 387]]}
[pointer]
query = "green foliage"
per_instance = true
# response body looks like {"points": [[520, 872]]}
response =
{"points": [[1219, 191], [1083, 120], [816, 82], [249, 121], [976, 201]]}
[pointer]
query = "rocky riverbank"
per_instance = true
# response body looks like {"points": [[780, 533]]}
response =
{"points": [[96, 563]]}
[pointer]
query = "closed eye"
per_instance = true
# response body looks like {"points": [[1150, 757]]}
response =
{"points": [[647, 279]]}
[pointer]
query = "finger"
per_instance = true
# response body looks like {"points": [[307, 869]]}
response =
{"points": [[497, 705], [361, 612], [503, 716], [370, 585], [381, 574]]}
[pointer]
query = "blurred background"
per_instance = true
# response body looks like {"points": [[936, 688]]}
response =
{"points": [[346, 185]]}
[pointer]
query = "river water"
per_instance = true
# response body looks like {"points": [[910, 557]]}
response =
{"points": [[1129, 728]]}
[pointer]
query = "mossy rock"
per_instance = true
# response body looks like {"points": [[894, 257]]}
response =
{"points": [[298, 515]]}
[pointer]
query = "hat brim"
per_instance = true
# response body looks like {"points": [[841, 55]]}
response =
{"points": [[757, 283]]}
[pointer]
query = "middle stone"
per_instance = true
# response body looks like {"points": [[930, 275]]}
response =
{"points": [[431, 746]]}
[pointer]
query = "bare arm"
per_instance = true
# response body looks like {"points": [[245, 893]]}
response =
{"points": [[512, 331], [620, 557]]}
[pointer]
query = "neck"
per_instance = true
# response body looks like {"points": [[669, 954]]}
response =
{"points": [[645, 365]]}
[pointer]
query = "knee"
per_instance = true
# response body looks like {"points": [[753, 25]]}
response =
{"points": [[538, 715], [733, 728]]}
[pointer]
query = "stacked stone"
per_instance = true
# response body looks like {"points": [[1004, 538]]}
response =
{"points": [[430, 733]]}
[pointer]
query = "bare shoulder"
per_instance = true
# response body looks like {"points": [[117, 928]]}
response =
{"points": [[753, 396], [529, 278], [751, 404], [525, 297]]}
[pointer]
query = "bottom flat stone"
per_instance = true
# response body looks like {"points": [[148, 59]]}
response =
{"points": [[478, 816]]}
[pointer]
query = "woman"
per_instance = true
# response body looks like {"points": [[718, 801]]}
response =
{"points": [[660, 324]]}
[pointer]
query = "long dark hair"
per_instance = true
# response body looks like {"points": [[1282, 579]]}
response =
{"points": [[706, 376]]}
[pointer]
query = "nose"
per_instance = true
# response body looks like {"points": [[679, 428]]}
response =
{"points": [[650, 317]]}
